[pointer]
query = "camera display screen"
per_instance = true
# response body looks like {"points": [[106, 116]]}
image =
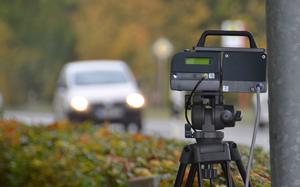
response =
{"points": [[198, 61]]}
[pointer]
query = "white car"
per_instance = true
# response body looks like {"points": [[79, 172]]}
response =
{"points": [[99, 90]]}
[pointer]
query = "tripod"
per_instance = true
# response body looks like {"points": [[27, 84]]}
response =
{"points": [[209, 115]]}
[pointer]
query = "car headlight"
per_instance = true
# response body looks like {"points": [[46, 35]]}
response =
{"points": [[79, 103], [135, 100]]}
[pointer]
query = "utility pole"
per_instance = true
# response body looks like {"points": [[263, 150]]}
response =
{"points": [[283, 34]]}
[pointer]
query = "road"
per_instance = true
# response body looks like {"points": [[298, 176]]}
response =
{"points": [[164, 127]]}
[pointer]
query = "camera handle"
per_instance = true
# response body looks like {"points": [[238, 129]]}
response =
{"points": [[247, 34]]}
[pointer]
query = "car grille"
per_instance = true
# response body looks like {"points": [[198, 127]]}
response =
{"points": [[109, 111], [102, 105]]}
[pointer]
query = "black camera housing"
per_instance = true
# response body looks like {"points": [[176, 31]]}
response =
{"points": [[225, 69]]}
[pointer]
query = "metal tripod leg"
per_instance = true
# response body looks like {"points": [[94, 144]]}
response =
{"points": [[199, 174], [242, 170], [191, 176], [236, 156], [185, 159], [211, 181], [192, 154], [226, 169], [180, 175]]}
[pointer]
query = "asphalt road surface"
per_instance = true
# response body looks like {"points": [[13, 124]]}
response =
{"points": [[164, 127]]}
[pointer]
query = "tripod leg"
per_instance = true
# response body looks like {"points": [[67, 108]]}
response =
{"points": [[227, 173], [199, 174], [236, 156], [209, 173], [242, 170], [229, 178], [191, 177], [211, 182], [180, 175]]}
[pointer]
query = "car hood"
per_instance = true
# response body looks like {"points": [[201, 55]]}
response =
{"points": [[104, 94]]}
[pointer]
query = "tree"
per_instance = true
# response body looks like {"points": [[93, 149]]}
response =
{"points": [[40, 40], [38, 37]]}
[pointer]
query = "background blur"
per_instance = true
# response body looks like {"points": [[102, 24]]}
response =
{"points": [[37, 37]]}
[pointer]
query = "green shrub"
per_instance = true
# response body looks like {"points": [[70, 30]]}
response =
{"points": [[67, 155]]}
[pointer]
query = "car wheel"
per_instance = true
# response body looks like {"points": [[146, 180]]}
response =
{"points": [[139, 125], [126, 126]]}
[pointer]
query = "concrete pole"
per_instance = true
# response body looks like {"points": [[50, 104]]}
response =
{"points": [[283, 33]]}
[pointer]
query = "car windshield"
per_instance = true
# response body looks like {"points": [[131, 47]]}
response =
{"points": [[99, 77]]}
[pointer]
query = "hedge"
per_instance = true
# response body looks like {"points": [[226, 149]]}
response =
{"points": [[63, 155]]}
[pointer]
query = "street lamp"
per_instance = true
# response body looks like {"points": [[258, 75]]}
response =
{"points": [[162, 49]]}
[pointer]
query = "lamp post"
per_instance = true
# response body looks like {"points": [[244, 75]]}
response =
{"points": [[162, 49]]}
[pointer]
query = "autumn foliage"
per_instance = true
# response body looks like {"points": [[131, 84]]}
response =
{"points": [[68, 155], [39, 37]]}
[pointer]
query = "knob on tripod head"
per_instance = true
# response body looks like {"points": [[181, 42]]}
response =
{"points": [[210, 114]]}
